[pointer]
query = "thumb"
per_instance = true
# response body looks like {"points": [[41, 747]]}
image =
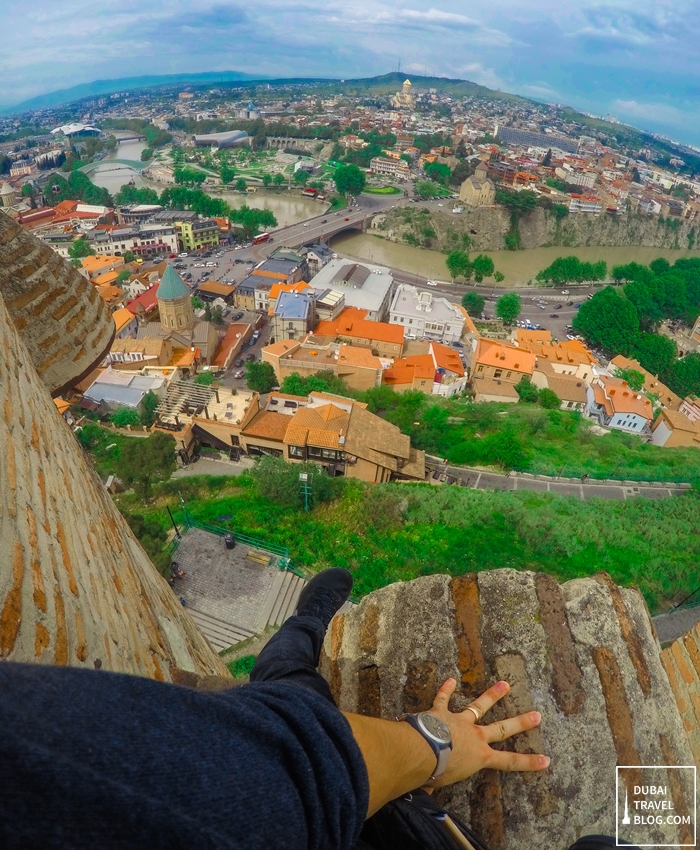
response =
{"points": [[443, 695]]}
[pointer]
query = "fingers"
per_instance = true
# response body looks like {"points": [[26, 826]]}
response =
{"points": [[499, 731], [501, 760], [483, 703], [442, 697]]}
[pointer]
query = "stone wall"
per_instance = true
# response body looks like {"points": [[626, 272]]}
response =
{"points": [[63, 322], [76, 588], [584, 654], [486, 229]]}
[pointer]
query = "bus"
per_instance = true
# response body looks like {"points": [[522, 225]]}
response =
{"points": [[261, 237]]}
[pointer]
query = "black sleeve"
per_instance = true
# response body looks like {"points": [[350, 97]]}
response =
{"points": [[99, 760]]}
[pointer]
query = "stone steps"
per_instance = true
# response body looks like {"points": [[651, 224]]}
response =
{"points": [[297, 587], [219, 634], [286, 599]]}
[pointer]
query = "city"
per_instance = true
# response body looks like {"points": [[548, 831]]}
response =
{"points": [[438, 335]]}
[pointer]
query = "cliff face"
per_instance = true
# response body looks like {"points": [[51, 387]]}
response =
{"points": [[485, 228], [584, 654], [76, 588]]}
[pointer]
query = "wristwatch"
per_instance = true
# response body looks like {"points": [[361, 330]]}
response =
{"points": [[437, 733]]}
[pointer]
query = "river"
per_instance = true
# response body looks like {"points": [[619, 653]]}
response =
{"points": [[519, 267], [288, 207]]}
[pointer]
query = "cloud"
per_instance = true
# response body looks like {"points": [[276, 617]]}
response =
{"points": [[658, 113], [541, 91], [476, 72]]}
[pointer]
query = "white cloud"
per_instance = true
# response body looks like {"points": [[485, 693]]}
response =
{"points": [[661, 113], [476, 72], [540, 91]]}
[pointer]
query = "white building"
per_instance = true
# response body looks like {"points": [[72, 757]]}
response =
{"points": [[425, 316], [144, 240], [585, 204], [395, 168], [365, 286], [614, 404]]}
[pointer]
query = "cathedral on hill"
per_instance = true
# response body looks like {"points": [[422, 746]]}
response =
{"points": [[178, 322], [404, 99]]}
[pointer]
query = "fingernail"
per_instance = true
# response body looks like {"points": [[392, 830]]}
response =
{"points": [[502, 687], [544, 761], [535, 717]]}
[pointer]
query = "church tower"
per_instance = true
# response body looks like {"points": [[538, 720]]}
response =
{"points": [[175, 303]]}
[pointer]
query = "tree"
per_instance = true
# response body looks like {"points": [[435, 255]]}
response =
{"points": [[197, 303], [636, 176], [549, 399], [656, 353], [349, 180], [149, 403], [80, 248], [458, 264], [473, 303], [204, 379], [278, 482], [28, 191], [188, 176], [146, 154], [483, 267], [278, 179], [609, 320], [660, 266], [438, 172], [266, 179], [635, 379], [426, 189], [527, 391], [508, 307], [125, 416], [260, 377], [144, 462], [684, 376], [324, 381], [461, 151], [301, 177], [122, 276], [217, 316], [240, 185], [227, 173], [499, 277], [547, 159], [129, 256]]}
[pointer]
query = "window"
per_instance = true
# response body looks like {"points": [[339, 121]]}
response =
{"points": [[498, 373], [508, 374], [410, 321], [480, 368], [297, 452], [314, 452]]}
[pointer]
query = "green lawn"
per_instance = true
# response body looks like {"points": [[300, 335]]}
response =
{"points": [[396, 532], [382, 190]]}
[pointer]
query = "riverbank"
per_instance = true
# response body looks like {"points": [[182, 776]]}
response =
{"points": [[518, 267]]}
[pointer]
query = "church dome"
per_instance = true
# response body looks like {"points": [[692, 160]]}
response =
{"points": [[172, 286]]}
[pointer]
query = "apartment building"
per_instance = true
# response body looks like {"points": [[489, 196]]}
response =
{"points": [[585, 204], [144, 240], [397, 169], [422, 315]]}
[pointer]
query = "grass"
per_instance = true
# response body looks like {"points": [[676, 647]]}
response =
{"points": [[382, 190], [397, 532]]}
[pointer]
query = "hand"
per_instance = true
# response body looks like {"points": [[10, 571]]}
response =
{"points": [[471, 750]]}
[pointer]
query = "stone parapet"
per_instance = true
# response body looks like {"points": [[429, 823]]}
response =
{"points": [[583, 653]]}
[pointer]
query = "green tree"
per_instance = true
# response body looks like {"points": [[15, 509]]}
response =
{"points": [[324, 381], [240, 185], [458, 264], [660, 266], [426, 189], [204, 379], [148, 408], [527, 391], [260, 377], [80, 248], [349, 180], [656, 353], [227, 173], [217, 316], [122, 276], [609, 320], [438, 172], [146, 154], [635, 379], [129, 256], [549, 399], [278, 482], [684, 376], [28, 191], [499, 277], [278, 179], [144, 462], [483, 267], [133, 195], [197, 303], [266, 179], [125, 416], [301, 177], [505, 449], [547, 159], [473, 303], [508, 307], [188, 176]]}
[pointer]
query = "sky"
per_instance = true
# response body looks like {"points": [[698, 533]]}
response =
{"points": [[634, 59]]}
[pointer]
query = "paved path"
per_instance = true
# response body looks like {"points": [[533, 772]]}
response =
{"points": [[674, 624], [205, 466], [477, 479]]}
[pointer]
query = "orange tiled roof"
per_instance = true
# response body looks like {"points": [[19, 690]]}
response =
{"points": [[268, 425], [282, 346], [469, 325], [625, 400], [106, 278], [273, 275], [502, 356], [65, 207], [350, 355], [110, 294], [330, 328], [380, 331], [447, 358], [301, 286], [61, 405], [121, 318], [524, 337]]}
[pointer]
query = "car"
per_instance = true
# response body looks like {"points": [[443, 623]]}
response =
{"points": [[238, 315], [542, 306], [306, 223], [553, 316], [457, 344], [250, 357], [184, 254], [558, 306], [565, 292], [431, 283], [577, 305], [324, 220], [238, 362], [569, 303], [347, 219], [171, 256], [239, 374]]}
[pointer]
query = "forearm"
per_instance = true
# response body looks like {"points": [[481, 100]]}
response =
{"points": [[397, 758]]}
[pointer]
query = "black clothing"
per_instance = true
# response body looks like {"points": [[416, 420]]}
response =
{"points": [[90, 759]]}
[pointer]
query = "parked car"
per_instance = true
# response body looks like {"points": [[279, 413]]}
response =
{"points": [[565, 292], [431, 283], [553, 316], [558, 306], [457, 344], [238, 315], [347, 219], [324, 220], [184, 254], [577, 305], [239, 374], [250, 356], [238, 362]]}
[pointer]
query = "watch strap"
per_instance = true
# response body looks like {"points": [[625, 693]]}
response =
{"points": [[442, 753]]}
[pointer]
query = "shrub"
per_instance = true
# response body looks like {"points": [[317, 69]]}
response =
{"points": [[242, 667]]}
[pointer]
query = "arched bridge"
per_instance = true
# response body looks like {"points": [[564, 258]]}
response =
{"points": [[322, 228], [119, 165]]}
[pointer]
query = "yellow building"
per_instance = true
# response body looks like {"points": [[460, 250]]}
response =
{"points": [[404, 99]]}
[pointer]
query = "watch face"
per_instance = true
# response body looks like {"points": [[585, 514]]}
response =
{"points": [[436, 727]]}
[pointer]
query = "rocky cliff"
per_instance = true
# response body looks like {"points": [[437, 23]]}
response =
{"points": [[485, 229], [583, 653], [76, 588]]}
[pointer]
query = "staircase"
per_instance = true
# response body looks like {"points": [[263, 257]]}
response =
{"points": [[219, 634], [281, 600]]}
